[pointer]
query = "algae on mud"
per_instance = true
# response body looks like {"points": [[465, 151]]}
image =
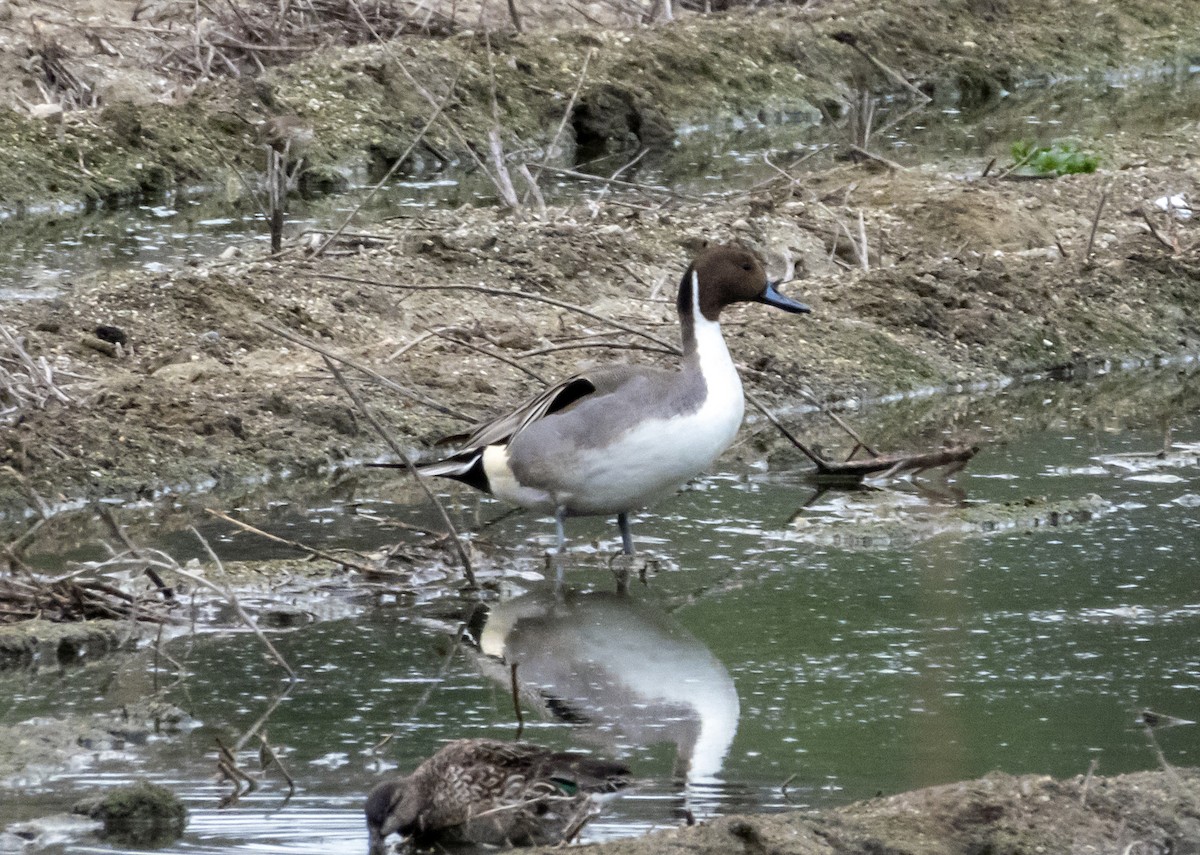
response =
{"points": [[142, 815]]}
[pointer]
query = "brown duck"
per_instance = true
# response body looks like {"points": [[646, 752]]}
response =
{"points": [[481, 791]]}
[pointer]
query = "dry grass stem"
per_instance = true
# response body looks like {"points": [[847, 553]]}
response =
{"points": [[375, 375], [1171, 244], [499, 357], [851, 41], [501, 177], [236, 37], [890, 164], [642, 188], [516, 699], [25, 382], [437, 111], [490, 291], [1087, 253]]}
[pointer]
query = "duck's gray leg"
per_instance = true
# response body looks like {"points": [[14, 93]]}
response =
{"points": [[626, 534], [560, 514], [620, 567]]}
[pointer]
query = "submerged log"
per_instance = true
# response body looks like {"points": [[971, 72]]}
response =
{"points": [[890, 465]]}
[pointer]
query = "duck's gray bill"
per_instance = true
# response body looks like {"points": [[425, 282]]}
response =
{"points": [[773, 298]]}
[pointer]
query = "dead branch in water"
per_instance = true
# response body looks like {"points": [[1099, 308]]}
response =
{"points": [[232, 599], [294, 544], [267, 756], [422, 482], [80, 595], [850, 472], [70, 600]]}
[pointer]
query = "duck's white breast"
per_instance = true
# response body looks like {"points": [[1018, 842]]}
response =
{"points": [[656, 456]]}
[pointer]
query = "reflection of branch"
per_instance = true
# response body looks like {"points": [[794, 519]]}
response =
{"points": [[1087, 781], [516, 699], [267, 756], [227, 766], [442, 669], [262, 719]]}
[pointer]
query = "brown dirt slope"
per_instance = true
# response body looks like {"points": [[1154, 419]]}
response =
{"points": [[1144, 812], [154, 119]]}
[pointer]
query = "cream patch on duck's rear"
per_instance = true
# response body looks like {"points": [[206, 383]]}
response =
{"points": [[504, 484]]}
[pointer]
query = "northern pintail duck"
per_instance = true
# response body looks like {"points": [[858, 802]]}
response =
{"points": [[480, 791], [617, 438]]}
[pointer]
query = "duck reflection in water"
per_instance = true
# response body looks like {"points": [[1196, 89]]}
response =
{"points": [[623, 669]]}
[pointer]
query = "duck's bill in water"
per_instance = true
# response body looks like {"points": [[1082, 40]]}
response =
{"points": [[772, 297]]}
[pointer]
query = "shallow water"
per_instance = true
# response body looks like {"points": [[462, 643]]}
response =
{"points": [[844, 645]]}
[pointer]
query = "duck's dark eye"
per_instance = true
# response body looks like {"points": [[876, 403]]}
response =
{"points": [[747, 266]]}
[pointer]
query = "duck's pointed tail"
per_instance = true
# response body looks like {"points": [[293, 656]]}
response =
{"points": [[466, 466]]}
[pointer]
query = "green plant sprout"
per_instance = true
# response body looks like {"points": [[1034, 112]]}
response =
{"points": [[1058, 158]]}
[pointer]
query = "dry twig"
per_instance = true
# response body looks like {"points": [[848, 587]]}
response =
{"points": [[25, 382]]}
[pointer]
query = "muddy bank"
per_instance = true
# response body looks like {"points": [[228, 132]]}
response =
{"points": [[146, 101], [1140, 812], [969, 284]]}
